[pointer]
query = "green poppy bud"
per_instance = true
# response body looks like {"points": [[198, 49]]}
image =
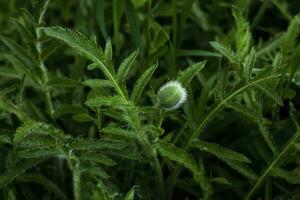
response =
{"points": [[171, 95]]}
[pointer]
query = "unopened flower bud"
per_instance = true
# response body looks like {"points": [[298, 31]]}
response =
{"points": [[171, 95]]}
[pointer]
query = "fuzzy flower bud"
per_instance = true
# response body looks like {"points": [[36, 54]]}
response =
{"points": [[171, 95]]}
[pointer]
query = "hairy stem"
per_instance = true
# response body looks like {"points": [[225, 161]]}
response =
{"points": [[41, 63], [274, 163], [209, 116]]}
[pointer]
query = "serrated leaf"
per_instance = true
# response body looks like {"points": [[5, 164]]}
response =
{"points": [[115, 131], [130, 152], [19, 51], [225, 51], [39, 153], [39, 9], [244, 110], [68, 109], [242, 169], [108, 54], [62, 82], [98, 158], [142, 82], [243, 35], [220, 152], [220, 180], [97, 171], [22, 69], [131, 193], [5, 139], [187, 75], [87, 48], [83, 117], [11, 195], [92, 66], [114, 101], [97, 83], [179, 155], [289, 176], [268, 137], [42, 180], [249, 63], [88, 144], [12, 173], [36, 128], [276, 98], [205, 96], [289, 39], [126, 66]]}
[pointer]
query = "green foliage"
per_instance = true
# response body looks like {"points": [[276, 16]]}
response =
{"points": [[80, 115]]}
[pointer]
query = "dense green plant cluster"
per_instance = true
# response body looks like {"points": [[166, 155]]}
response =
{"points": [[145, 99]]}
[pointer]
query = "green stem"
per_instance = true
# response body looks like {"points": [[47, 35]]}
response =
{"points": [[209, 116], [159, 176], [41, 63], [76, 184], [272, 165]]}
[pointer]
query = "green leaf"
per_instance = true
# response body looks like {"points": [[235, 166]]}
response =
{"points": [[126, 66], [96, 171], [268, 137], [89, 144], [242, 169], [204, 97], [83, 117], [98, 158], [243, 35], [289, 176], [187, 75], [68, 109], [101, 17], [8, 106], [39, 9], [108, 54], [115, 131], [5, 139], [142, 82], [21, 69], [249, 64], [252, 113], [293, 65], [12, 173], [276, 98], [44, 181], [130, 152], [114, 101], [11, 195], [19, 51], [276, 163], [289, 41], [180, 156], [196, 53], [220, 152], [37, 128], [133, 21], [62, 82], [39, 153], [225, 51], [87, 48], [97, 83], [131, 193], [220, 180]]}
